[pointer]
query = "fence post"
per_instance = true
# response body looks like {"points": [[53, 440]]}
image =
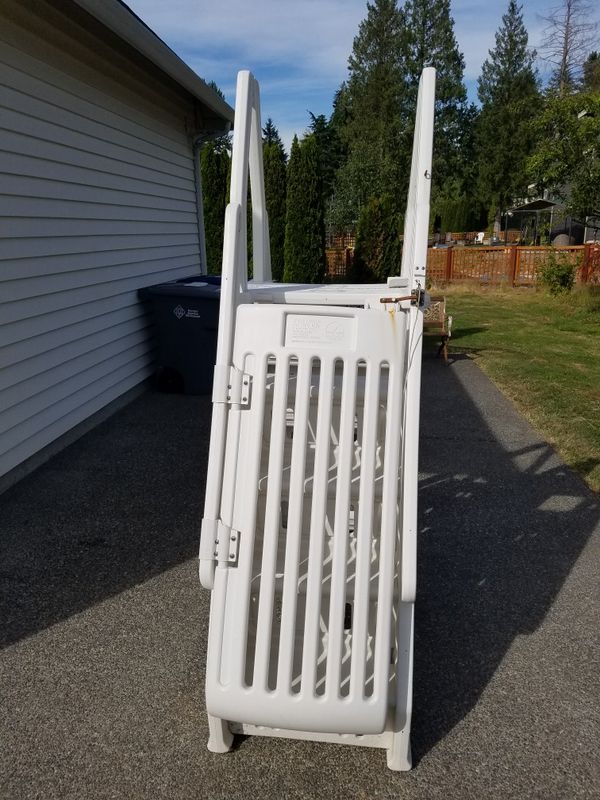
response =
{"points": [[585, 264], [348, 261], [513, 264], [449, 258]]}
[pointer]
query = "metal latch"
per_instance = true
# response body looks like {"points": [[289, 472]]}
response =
{"points": [[416, 297]]}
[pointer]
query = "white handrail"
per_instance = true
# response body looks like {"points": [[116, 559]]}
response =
{"points": [[416, 221], [414, 267], [246, 157]]}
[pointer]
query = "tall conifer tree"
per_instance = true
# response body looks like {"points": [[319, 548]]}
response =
{"points": [[275, 195], [590, 81], [271, 134], [372, 113], [305, 227], [429, 41], [508, 91], [214, 168]]}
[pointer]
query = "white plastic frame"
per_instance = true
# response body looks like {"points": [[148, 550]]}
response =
{"points": [[234, 394]]}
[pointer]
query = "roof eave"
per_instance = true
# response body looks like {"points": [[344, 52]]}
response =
{"points": [[119, 18]]}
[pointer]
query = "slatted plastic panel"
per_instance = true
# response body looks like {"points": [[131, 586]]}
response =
{"points": [[301, 624]]}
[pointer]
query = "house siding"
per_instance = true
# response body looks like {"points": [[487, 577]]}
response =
{"points": [[97, 198]]}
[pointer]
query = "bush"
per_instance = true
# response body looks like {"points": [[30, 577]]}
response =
{"points": [[558, 273], [459, 214], [304, 247], [587, 298], [378, 251], [214, 165]]}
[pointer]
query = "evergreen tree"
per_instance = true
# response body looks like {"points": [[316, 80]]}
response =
{"points": [[221, 142], [214, 169], [275, 197], [430, 41], [328, 149], [591, 73], [305, 228], [370, 103], [215, 173], [509, 96], [271, 134], [378, 251]]}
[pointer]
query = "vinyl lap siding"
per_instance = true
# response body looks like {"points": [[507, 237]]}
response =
{"points": [[97, 198]]}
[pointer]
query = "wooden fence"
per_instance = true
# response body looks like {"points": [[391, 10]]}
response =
{"points": [[339, 262], [515, 266]]}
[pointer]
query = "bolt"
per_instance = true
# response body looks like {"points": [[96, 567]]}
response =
{"points": [[233, 538], [232, 556]]}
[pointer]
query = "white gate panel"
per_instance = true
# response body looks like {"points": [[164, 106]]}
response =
{"points": [[303, 633]]}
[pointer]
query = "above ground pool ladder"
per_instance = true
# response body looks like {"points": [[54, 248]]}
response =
{"points": [[308, 538]]}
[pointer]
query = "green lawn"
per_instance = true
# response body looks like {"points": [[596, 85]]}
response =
{"points": [[544, 353]]}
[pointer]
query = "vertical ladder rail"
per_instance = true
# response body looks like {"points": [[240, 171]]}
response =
{"points": [[237, 273], [233, 283], [261, 251], [410, 456], [416, 224], [218, 427]]}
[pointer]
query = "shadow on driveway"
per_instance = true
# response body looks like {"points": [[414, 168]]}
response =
{"points": [[501, 523], [120, 505]]}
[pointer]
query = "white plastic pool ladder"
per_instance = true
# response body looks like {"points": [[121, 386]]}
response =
{"points": [[309, 532]]}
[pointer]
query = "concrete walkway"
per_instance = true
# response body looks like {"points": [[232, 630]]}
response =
{"points": [[104, 623]]}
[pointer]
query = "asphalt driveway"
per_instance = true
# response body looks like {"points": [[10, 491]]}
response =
{"points": [[104, 623]]}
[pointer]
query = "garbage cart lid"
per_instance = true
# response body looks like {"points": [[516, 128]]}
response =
{"points": [[192, 288]]}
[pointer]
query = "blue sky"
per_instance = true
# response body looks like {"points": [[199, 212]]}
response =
{"points": [[298, 49]]}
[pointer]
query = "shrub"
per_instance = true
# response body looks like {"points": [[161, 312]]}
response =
{"points": [[304, 248], [378, 252], [557, 273], [214, 165]]}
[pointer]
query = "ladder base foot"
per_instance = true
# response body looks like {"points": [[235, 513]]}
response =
{"points": [[399, 757], [220, 738]]}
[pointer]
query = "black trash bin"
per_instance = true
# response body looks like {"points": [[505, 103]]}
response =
{"points": [[186, 312]]}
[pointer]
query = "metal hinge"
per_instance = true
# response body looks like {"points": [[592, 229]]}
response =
{"points": [[231, 385], [219, 542]]}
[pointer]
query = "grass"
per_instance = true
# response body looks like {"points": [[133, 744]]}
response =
{"points": [[544, 353]]}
